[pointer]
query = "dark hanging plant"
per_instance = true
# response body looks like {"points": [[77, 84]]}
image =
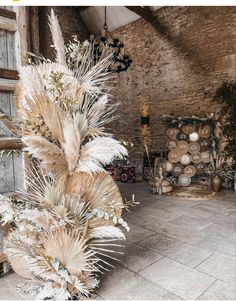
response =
{"points": [[226, 96]]}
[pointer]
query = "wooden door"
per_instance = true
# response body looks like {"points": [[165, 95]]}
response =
{"points": [[11, 171]]}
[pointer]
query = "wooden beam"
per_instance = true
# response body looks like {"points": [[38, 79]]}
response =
{"points": [[149, 15], [9, 74], [34, 29], [8, 24], [6, 13], [7, 84], [21, 36], [9, 124], [7, 143], [143, 12]]}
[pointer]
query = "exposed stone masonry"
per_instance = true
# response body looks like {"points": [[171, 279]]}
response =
{"points": [[180, 73]]}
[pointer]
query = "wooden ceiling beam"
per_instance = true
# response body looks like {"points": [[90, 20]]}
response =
{"points": [[142, 11], [148, 14]]}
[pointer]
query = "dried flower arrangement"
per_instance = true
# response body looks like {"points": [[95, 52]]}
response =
{"points": [[220, 165], [64, 227], [157, 180]]}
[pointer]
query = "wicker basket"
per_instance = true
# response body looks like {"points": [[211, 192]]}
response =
{"points": [[183, 146], [190, 170], [168, 166], [172, 133], [174, 155], [204, 131], [185, 159], [172, 144], [184, 180], [178, 169], [194, 136], [194, 147], [196, 157], [188, 129], [206, 157]]}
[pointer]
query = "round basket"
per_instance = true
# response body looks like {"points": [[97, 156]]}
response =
{"points": [[182, 136], [194, 147], [190, 170], [204, 131], [174, 155], [196, 157], [183, 146], [206, 157], [166, 186], [200, 168], [184, 180], [178, 169], [172, 133], [172, 144], [185, 159], [194, 136], [188, 129], [168, 166], [204, 145]]}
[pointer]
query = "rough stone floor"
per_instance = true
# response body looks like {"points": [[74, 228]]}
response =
{"points": [[177, 249]]}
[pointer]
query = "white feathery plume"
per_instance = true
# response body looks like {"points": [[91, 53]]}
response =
{"points": [[99, 152], [100, 112], [107, 232], [71, 145], [39, 76], [57, 38], [50, 154]]}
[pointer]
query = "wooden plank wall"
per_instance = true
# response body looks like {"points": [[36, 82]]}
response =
{"points": [[11, 171]]}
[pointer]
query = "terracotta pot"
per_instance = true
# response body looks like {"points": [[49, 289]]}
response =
{"points": [[216, 183]]}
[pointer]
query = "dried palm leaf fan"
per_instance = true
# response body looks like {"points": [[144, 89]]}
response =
{"points": [[65, 224]]}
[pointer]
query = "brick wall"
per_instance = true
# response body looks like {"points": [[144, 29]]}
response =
{"points": [[71, 24], [178, 71]]}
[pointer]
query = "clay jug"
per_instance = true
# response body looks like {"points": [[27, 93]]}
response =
{"points": [[216, 183]]}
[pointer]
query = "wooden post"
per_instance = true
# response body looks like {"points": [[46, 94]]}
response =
{"points": [[21, 35], [34, 29], [7, 143]]}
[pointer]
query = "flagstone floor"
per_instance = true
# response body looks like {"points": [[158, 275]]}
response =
{"points": [[177, 249]]}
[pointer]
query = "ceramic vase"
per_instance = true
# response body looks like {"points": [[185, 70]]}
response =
{"points": [[216, 183]]}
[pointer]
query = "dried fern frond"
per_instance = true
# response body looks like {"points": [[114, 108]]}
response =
{"points": [[99, 190], [26, 261], [94, 80], [70, 249]]}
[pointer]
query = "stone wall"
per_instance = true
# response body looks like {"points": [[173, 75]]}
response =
{"points": [[71, 24], [179, 71]]}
